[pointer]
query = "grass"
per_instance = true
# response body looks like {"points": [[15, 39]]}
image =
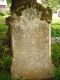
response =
{"points": [[57, 73], [56, 26], [3, 27], [4, 75], [55, 31], [2, 19], [56, 54], [56, 60]]}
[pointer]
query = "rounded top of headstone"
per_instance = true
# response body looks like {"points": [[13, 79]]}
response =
{"points": [[19, 5]]}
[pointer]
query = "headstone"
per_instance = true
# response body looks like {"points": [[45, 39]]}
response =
{"points": [[31, 40]]}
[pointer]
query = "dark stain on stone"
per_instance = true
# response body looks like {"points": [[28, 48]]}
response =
{"points": [[19, 5]]}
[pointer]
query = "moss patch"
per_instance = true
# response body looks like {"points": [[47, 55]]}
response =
{"points": [[18, 7]]}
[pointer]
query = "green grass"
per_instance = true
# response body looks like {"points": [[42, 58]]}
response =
{"points": [[3, 30], [3, 27], [55, 30], [5, 58], [56, 60], [56, 26], [2, 19], [4, 75], [56, 49], [56, 54], [57, 73]]}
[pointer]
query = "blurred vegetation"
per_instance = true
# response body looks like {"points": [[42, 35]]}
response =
{"points": [[56, 25], [56, 54], [9, 2], [2, 14], [54, 4], [57, 73], [55, 32], [5, 58], [56, 60], [4, 75], [55, 29]]}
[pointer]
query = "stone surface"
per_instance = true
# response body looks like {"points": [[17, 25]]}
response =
{"points": [[31, 42]]}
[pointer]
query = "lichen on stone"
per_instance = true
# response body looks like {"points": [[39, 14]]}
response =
{"points": [[19, 5]]}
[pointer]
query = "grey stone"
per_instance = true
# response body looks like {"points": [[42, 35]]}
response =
{"points": [[31, 42]]}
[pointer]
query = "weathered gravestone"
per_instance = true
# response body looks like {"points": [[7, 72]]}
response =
{"points": [[31, 40]]}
